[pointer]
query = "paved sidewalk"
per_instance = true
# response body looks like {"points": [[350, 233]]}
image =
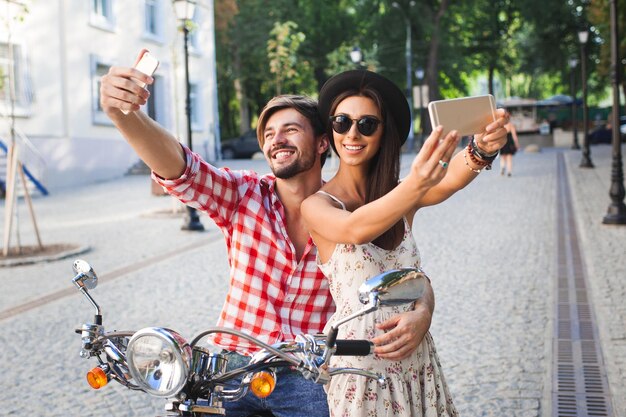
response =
{"points": [[490, 251]]}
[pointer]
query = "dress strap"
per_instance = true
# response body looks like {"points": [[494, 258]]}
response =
{"points": [[333, 197]]}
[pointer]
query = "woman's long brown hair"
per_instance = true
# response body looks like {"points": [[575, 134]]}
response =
{"points": [[384, 168]]}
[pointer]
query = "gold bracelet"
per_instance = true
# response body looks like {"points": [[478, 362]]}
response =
{"points": [[477, 171]]}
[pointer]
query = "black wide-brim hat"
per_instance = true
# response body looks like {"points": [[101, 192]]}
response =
{"points": [[394, 100]]}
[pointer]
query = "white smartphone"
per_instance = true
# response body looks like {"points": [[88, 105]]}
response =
{"points": [[147, 64], [467, 115]]}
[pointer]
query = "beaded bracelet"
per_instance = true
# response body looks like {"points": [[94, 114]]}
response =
{"points": [[477, 159], [477, 171], [487, 157]]}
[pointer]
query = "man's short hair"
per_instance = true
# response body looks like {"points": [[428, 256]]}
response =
{"points": [[306, 106]]}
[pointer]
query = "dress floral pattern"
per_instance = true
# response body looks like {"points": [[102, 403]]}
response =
{"points": [[415, 385]]}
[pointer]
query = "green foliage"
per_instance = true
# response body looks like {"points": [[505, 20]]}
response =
{"points": [[297, 44], [339, 59], [292, 74]]}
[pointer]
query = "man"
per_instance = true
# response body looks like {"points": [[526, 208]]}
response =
{"points": [[276, 290]]}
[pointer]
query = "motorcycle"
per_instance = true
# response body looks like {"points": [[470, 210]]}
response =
{"points": [[161, 363]]}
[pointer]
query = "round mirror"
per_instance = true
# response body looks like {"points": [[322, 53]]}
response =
{"points": [[395, 287], [86, 277]]}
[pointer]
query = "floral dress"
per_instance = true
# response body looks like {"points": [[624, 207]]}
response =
{"points": [[415, 385]]}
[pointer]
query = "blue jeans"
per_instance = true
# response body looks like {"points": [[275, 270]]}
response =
{"points": [[293, 396]]}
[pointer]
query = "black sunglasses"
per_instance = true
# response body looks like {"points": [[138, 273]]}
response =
{"points": [[366, 125]]}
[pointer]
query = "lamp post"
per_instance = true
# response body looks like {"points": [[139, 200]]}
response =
{"points": [[616, 213], [419, 74], [583, 36], [409, 74], [573, 62], [184, 10], [356, 56]]}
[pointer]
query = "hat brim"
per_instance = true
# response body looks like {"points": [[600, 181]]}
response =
{"points": [[393, 98]]}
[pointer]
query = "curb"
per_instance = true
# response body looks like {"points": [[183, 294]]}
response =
{"points": [[8, 263]]}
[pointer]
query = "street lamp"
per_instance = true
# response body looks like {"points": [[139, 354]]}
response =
{"points": [[356, 56], [409, 75], [583, 36], [573, 62], [616, 213], [419, 74], [184, 10]]}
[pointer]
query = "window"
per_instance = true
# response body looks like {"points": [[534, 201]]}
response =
{"points": [[98, 70], [102, 14], [15, 91], [156, 107], [153, 20], [195, 98]]}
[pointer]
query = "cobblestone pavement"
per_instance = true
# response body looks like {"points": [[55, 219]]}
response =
{"points": [[490, 251]]}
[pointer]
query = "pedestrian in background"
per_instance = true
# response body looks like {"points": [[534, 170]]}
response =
{"points": [[508, 150]]}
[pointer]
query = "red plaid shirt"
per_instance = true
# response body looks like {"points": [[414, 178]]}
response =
{"points": [[272, 296]]}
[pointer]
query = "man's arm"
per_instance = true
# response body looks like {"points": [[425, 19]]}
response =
{"points": [[406, 331], [158, 148]]}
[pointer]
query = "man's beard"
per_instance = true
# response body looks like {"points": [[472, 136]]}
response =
{"points": [[302, 164]]}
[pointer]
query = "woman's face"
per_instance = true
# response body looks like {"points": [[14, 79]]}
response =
{"points": [[353, 147]]}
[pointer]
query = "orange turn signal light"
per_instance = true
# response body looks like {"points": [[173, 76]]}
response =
{"points": [[262, 384], [97, 378]]}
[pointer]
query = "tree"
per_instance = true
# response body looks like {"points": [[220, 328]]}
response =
{"points": [[523, 46], [599, 16], [327, 25], [291, 74]]}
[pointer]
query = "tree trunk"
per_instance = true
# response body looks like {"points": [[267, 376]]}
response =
{"points": [[624, 91], [240, 94], [433, 54]]}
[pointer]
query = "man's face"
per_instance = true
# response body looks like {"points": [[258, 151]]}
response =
{"points": [[290, 146]]}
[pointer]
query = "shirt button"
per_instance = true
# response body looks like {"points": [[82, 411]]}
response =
{"points": [[286, 329], [289, 298]]}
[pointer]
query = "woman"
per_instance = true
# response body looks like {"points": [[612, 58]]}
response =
{"points": [[361, 222], [508, 150]]}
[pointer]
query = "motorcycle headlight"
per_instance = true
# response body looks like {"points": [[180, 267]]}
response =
{"points": [[159, 361]]}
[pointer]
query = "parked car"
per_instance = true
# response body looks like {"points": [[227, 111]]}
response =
{"points": [[604, 134], [242, 147]]}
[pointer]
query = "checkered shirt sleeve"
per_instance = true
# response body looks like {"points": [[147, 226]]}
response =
{"points": [[272, 295]]}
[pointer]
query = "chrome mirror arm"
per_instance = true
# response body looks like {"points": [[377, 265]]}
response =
{"points": [[86, 279], [77, 280], [373, 300]]}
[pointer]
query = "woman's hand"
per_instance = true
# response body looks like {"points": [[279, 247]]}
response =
{"points": [[429, 166], [494, 137]]}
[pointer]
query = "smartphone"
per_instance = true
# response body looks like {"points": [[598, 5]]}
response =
{"points": [[148, 65], [467, 115]]}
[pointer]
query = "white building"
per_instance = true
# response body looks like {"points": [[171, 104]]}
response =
{"points": [[57, 50]]}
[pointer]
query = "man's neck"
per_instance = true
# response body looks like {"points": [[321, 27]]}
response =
{"points": [[293, 191]]}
